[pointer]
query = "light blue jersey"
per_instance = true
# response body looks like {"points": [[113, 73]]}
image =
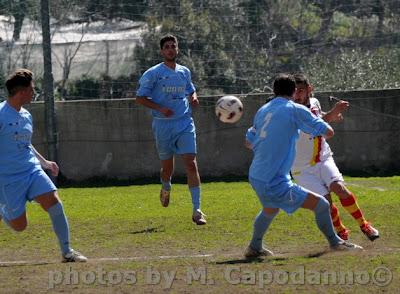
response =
{"points": [[168, 88], [17, 159], [276, 129]]}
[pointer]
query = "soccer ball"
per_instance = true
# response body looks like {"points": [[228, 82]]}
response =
{"points": [[229, 109]]}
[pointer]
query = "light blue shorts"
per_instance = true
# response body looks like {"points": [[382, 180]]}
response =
{"points": [[13, 197], [286, 196], [175, 136]]}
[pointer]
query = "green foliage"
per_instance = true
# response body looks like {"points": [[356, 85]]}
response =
{"points": [[104, 88], [84, 88], [238, 46], [355, 69]]}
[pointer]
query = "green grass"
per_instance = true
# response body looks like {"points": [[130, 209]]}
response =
{"points": [[129, 222]]}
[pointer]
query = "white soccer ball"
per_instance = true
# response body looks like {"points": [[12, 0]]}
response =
{"points": [[229, 109]]}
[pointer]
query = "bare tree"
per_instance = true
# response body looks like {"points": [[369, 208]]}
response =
{"points": [[67, 59]]}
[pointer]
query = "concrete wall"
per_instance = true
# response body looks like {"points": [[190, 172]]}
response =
{"points": [[113, 138]]}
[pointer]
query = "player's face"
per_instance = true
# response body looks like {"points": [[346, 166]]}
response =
{"points": [[28, 92], [302, 94], [169, 51]]}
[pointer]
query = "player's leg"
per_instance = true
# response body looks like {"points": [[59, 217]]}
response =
{"points": [[262, 221], [311, 179], [163, 134], [51, 203], [43, 191], [321, 208], [185, 145], [261, 224], [18, 224], [334, 180], [340, 229], [193, 180], [167, 169], [349, 202]]}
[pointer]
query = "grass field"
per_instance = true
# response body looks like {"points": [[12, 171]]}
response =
{"points": [[135, 245]]}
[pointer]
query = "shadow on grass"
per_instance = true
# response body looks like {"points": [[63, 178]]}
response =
{"points": [[268, 259], [241, 261], [149, 230], [316, 255]]}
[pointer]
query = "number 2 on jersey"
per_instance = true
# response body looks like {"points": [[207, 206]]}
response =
{"points": [[267, 119]]}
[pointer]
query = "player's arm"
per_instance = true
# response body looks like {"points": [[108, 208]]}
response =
{"points": [[46, 164], [311, 124], [145, 101], [335, 114], [250, 137], [329, 132], [191, 89], [143, 96], [193, 100]]}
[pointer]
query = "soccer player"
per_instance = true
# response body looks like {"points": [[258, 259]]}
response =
{"points": [[22, 177], [273, 138], [314, 167], [167, 89]]}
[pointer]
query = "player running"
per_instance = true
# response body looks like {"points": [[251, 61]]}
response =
{"points": [[273, 137], [167, 89], [314, 167], [22, 177]]}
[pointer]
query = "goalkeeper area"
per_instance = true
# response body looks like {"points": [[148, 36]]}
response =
{"points": [[135, 245]]}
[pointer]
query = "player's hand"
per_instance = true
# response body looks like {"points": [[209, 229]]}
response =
{"points": [[52, 166], [335, 115], [194, 102], [341, 106], [166, 112], [248, 145]]}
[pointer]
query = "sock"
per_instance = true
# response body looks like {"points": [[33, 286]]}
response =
{"points": [[60, 226], [261, 224], [195, 192], [350, 204], [6, 221], [166, 185], [324, 221], [337, 222]]}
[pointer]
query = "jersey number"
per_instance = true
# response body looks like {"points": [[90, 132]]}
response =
{"points": [[267, 119]]}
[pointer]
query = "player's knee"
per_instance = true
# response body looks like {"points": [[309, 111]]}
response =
{"points": [[339, 189], [19, 227], [191, 166], [322, 205], [270, 212]]}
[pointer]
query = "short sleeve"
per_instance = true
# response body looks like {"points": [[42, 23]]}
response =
{"points": [[308, 122], [146, 84]]}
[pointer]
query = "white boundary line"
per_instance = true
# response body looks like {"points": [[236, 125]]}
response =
{"points": [[137, 258], [144, 258]]}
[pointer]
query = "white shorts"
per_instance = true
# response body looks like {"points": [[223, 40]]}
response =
{"points": [[319, 177]]}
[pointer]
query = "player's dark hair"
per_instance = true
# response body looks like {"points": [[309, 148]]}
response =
{"points": [[284, 85], [20, 79], [301, 79], [167, 38]]}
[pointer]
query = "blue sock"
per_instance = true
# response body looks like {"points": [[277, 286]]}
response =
{"points": [[324, 221], [60, 226], [195, 192], [261, 225], [166, 185]]}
